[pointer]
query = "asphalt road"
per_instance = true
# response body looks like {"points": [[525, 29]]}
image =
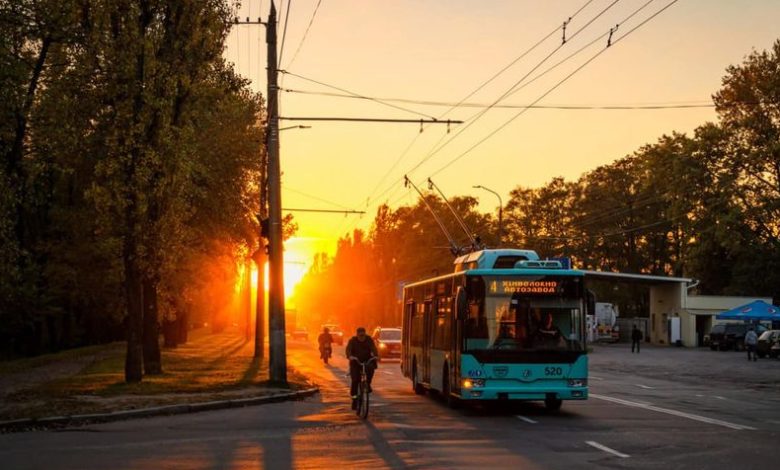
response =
{"points": [[635, 418]]}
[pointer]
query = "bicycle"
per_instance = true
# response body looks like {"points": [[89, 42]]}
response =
{"points": [[362, 400], [325, 353]]}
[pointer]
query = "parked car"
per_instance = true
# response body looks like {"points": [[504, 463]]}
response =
{"points": [[725, 336], [388, 341], [300, 333], [336, 333], [768, 344]]}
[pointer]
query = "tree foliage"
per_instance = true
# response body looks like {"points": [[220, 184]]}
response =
{"points": [[132, 165]]}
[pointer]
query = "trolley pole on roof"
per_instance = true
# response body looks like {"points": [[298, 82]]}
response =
{"points": [[454, 248], [277, 344]]}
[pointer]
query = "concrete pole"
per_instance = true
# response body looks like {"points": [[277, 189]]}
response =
{"points": [[260, 302], [277, 344]]}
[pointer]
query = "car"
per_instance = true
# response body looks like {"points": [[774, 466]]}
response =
{"points": [[388, 341], [725, 336], [768, 344], [300, 333], [336, 333]]}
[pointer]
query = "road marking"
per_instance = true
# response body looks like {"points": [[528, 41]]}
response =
{"points": [[681, 414], [594, 377], [645, 387], [607, 449], [387, 372], [719, 397], [527, 420]]}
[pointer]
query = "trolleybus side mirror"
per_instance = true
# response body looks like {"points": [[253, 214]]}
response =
{"points": [[461, 304]]}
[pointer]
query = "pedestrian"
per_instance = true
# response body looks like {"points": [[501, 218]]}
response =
{"points": [[751, 341], [636, 338]]}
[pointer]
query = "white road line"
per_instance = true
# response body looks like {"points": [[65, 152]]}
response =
{"points": [[607, 449], [527, 420], [719, 397], [594, 377], [645, 387], [387, 372], [681, 414]]}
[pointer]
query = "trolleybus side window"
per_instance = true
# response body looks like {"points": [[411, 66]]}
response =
{"points": [[417, 325], [443, 324]]}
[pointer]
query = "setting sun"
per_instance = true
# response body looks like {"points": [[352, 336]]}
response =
{"points": [[293, 273]]}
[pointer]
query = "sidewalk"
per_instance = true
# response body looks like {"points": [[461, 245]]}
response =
{"points": [[696, 366], [210, 368]]}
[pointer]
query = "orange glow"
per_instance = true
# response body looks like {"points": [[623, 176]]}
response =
{"points": [[293, 273], [239, 278]]}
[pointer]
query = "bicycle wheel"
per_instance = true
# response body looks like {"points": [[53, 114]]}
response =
{"points": [[363, 401]]}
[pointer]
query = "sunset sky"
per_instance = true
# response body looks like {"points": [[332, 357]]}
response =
{"points": [[441, 50]]}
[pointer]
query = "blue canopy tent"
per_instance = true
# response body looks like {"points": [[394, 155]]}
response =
{"points": [[754, 311]]}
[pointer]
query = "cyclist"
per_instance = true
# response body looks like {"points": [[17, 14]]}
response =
{"points": [[360, 348], [325, 341]]}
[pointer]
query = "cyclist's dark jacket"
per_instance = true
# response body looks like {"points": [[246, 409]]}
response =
{"points": [[363, 350]]}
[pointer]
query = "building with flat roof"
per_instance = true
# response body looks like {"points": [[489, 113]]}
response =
{"points": [[674, 314]]}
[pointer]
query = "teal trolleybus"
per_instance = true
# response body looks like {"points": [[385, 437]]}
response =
{"points": [[504, 326]]}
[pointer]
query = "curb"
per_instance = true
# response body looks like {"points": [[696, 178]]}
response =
{"points": [[30, 424]]}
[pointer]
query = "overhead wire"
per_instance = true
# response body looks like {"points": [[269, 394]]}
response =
{"points": [[305, 34], [472, 93], [621, 232], [473, 119], [287, 72], [577, 52], [561, 81], [284, 33], [316, 198], [550, 90], [576, 107], [371, 199]]}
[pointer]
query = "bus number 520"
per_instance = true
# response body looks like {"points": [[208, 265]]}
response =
{"points": [[553, 371]]}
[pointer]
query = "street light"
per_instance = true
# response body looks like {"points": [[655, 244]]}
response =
{"points": [[500, 211]]}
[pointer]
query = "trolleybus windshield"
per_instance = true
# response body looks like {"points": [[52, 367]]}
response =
{"points": [[526, 314]]}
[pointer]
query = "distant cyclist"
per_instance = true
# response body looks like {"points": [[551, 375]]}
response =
{"points": [[325, 341], [360, 348]]}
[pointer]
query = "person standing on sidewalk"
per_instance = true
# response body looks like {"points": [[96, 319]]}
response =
{"points": [[751, 341], [636, 339]]}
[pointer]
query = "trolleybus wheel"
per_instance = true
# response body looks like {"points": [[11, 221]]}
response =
{"points": [[553, 404], [416, 386], [450, 400]]}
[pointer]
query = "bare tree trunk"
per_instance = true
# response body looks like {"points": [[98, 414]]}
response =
{"points": [[151, 329], [134, 294], [182, 326], [248, 300], [170, 332], [133, 276]]}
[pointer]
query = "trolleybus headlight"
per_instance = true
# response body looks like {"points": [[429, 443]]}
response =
{"points": [[473, 383], [578, 382]]}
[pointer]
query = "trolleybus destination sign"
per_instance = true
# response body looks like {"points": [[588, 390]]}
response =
{"points": [[511, 286]]}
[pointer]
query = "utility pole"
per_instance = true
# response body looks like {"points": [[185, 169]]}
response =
{"points": [[277, 344], [260, 302]]}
